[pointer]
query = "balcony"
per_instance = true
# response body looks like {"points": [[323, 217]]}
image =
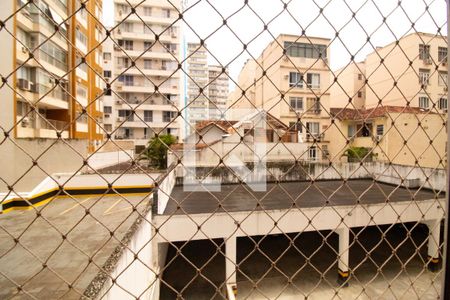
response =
{"points": [[150, 72], [163, 54], [145, 36], [152, 19]]}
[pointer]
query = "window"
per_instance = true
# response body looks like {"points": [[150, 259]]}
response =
{"points": [[126, 27], [107, 74], [126, 44], [312, 128], [126, 79], [364, 130], [424, 51], [313, 105], [359, 94], [147, 11], [442, 80], [295, 80], [168, 116], [147, 63], [442, 104], [351, 131], [296, 103], [360, 77], [107, 109], [313, 80], [107, 56], [147, 45], [82, 91], [442, 54], [81, 37], [424, 76], [424, 102], [305, 50], [125, 113], [295, 126], [166, 13], [148, 116], [380, 130], [312, 153], [108, 127]]}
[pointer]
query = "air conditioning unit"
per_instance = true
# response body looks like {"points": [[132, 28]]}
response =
{"points": [[107, 115], [120, 119], [116, 47], [24, 50], [120, 12], [427, 61], [23, 84], [444, 63], [119, 102], [119, 31], [445, 89], [377, 138]]}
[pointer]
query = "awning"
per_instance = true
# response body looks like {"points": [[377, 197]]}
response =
{"points": [[57, 18]]}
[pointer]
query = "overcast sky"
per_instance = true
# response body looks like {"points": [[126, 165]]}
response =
{"points": [[225, 45]]}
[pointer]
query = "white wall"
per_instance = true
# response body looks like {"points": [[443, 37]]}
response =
{"points": [[105, 159]]}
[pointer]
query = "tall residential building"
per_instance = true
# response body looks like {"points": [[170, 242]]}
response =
{"points": [[291, 82], [217, 92], [142, 61], [197, 83], [207, 86], [56, 83], [52, 89], [350, 89]]}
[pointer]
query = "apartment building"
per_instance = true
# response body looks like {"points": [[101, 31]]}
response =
{"points": [[411, 71], [399, 92], [142, 60], [217, 92], [58, 87], [291, 82], [197, 83], [207, 86], [52, 89], [350, 89]]}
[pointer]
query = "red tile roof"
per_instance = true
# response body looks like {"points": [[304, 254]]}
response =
{"points": [[371, 113]]}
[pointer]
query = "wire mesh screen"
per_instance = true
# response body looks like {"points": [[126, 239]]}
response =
{"points": [[166, 149]]}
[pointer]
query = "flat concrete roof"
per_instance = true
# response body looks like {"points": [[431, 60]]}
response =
{"points": [[40, 241], [236, 197]]}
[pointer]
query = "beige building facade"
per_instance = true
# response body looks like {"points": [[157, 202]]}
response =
{"points": [[394, 103], [291, 82], [390, 134]]}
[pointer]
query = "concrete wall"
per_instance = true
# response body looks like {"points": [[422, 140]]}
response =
{"points": [[165, 189], [287, 171], [105, 159], [133, 270]]}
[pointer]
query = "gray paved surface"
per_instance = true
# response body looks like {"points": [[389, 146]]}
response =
{"points": [[255, 269], [279, 196], [42, 239]]}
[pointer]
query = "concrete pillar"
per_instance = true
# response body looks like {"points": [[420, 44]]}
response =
{"points": [[343, 259], [230, 263], [434, 231]]}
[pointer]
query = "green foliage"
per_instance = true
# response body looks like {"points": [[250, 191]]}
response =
{"points": [[156, 151], [356, 154]]}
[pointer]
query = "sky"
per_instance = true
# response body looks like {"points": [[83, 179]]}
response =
{"points": [[245, 24]]}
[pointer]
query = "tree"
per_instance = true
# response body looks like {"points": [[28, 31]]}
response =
{"points": [[358, 154], [156, 151]]}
